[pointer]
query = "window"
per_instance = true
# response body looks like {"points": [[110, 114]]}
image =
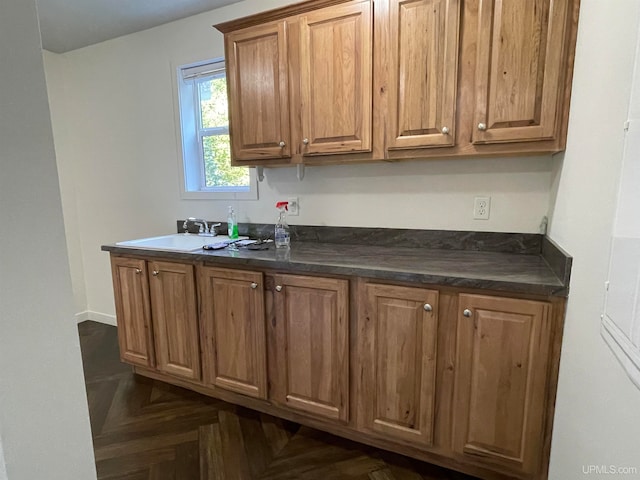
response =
{"points": [[204, 134]]}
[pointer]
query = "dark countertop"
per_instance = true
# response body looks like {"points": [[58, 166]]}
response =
{"points": [[503, 271]]}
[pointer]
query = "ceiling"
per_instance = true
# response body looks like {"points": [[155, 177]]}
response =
{"points": [[70, 24]]}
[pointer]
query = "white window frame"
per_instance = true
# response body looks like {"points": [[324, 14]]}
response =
{"points": [[189, 134]]}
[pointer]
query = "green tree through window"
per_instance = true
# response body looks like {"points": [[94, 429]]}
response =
{"points": [[214, 134], [204, 131]]}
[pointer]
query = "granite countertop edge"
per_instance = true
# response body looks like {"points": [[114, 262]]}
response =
{"points": [[499, 271]]}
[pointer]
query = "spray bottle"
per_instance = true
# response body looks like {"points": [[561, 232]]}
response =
{"points": [[282, 227]]}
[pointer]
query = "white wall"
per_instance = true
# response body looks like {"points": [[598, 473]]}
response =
{"points": [[115, 136], [3, 469], [64, 141], [597, 420], [113, 121], [43, 411], [117, 154]]}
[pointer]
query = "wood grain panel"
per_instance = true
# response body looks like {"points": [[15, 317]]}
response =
{"points": [[399, 361], [175, 319], [492, 376], [522, 95], [258, 92], [133, 311], [445, 370], [233, 330], [335, 78], [519, 72], [424, 56], [501, 383], [313, 343], [558, 314]]}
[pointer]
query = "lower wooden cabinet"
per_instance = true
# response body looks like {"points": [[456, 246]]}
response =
{"points": [[157, 315], [460, 379], [503, 354], [175, 319], [133, 311], [233, 331], [312, 345], [397, 338]]}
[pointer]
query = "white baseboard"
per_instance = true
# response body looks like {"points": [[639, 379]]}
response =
{"points": [[96, 317]]}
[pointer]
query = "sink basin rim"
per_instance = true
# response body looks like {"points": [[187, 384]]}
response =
{"points": [[176, 242]]}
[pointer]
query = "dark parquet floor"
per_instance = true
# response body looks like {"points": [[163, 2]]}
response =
{"points": [[149, 430]]}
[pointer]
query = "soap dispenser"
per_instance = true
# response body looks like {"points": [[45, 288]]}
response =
{"points": [[232, 225]]}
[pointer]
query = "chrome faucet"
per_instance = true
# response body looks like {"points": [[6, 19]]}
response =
{"points": [[205, 230]]}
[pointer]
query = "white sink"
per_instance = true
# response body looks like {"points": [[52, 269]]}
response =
{"points": [[178, 242]]}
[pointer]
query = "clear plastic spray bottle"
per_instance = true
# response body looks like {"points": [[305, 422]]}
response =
{"points": [[282, 237]]}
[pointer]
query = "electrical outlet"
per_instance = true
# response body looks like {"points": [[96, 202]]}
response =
{"points": [[294, 206], [481, 208]]}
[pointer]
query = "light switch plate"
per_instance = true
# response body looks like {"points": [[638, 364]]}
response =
{"points": [[294, 206]]}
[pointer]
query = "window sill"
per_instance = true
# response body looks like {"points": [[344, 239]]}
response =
{"points": [[206, 195]]}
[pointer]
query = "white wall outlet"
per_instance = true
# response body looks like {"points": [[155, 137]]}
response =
{"points": [[481, 208], [294, 206]]}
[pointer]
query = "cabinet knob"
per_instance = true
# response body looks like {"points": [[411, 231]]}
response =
{"points": [[138, 271], [282, 144], [445, 130], [467, 313], [278, 288], [305, 141], [254, 285], [428, 308], [482, 127], [155, 273]]}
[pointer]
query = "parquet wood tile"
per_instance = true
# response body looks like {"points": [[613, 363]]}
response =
{"points": [[148, 430]]}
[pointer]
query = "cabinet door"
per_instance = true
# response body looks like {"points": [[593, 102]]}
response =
{"points": [[258, 92], [233, 330], [175, 319], [335, 78], [519, 71], [133, 312], [424, 69], [312, 329], [503, 349], [397, 342]]}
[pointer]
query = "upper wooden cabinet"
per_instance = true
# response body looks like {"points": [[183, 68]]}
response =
{"points": [[301, 86], [258, 89], [133, 310], [400, 79], [503, 350], [175, 319], [423, 57], [521, 65], [335, 79], [233, 330]]}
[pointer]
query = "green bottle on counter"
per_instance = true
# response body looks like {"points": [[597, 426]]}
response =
{"points": [[232, 225]]}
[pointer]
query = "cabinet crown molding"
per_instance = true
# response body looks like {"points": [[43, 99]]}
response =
{"points": [[275, 14]]}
